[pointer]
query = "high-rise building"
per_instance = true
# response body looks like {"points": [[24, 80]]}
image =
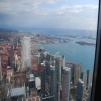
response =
{"points": [[58, 77], [31, 81], [66, 77], [43, 80], [84, 79], [89, 78], [47, 64], [80, 90], [89, 93], [63, 61], [0, 70], [53, 84], [75, 71], [42, 57], [26, 53]]}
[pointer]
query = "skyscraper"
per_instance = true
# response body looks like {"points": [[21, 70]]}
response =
{"points": [[89, 77], [53, 84], [26, 53], [63, 61], [84, 79], [66, 77], [75, 71], [58, 77], [43, 80], [89, 93], [80, 90]]}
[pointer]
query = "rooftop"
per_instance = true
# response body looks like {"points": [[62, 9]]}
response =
{"points": [[17, 91]]}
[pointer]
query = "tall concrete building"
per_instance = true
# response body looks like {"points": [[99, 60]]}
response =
{"points": [[80, 90], [89, 93], [26, 53], [75, 71], [42, 57], [53, 84], [43, 80], [47, 64], [89, 78], [0, 70], [84, 79], [58, 77], [66, 77], [63, 61]]}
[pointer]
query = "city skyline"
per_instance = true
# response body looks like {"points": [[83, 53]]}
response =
{"points": [[32, 73]]}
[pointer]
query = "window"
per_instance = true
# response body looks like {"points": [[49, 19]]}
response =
{"points": [[57, 42]]}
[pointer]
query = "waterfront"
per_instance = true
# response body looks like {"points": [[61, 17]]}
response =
{"points": [[24, 60], [83, 54], [74, 52]]}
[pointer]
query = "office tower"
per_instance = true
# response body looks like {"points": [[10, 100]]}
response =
{"points": [[84, 79], [42, 57], [43, 79], [80, 90], [31, 82], [75, 71], [89, 77], [52, 83], [58, 78], [0, 70], [89, 93], [63, 61], [26, 53], [47, 64], [48, 57], [66, 77]]}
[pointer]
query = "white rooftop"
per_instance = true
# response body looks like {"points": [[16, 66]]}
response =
{"points": [[38, 83], [18, 91]]}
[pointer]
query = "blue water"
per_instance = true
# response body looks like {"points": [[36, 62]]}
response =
{"points": [[73, 52]]}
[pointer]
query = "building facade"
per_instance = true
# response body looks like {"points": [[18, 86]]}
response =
{"points": [[89, 78], [80, 90], [26, 53], [66, 76], [84, 79]]}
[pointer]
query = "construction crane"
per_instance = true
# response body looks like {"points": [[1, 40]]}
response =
{"points": [[56, 53]]}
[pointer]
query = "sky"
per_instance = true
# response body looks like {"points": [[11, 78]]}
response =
{"points": [[70, 14]]}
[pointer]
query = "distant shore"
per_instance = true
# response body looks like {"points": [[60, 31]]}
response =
{"points": [[80, 37], [85, 43]]}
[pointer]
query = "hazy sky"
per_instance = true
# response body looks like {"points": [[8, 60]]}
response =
{"points": [[73, 14]]}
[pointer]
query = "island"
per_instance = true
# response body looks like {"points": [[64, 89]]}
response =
{"points": [[85, 43], [80, 37]]}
